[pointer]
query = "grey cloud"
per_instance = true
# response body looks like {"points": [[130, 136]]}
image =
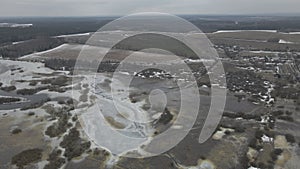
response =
{"points": [[123, 7]]}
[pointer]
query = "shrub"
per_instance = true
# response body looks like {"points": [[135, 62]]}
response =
{"points": [[8, 88], [290, 138], [33, 83], [253, 143], [166, 117], [60, 81], [55, 161], [227, 132], [4, 100], [259, 134], [273, 156], [286, 118], [277, 151], [26, 157], [31, 114], [61, 102], [288, 113], [16, 131], [30, 91], [251, 116], [239, 129], [230, 115], [74, 145], [277, 113]]}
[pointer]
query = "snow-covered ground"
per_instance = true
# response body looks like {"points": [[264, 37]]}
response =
{"points": [[26, 71], [14, 25], [232, 31], [264, 51], [94, 112], [38, 54], [293, 33], [285, 42], [15, 43], [94, 118], [72, 35]]}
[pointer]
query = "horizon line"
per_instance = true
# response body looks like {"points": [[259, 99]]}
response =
{"points": [[90, 16]]}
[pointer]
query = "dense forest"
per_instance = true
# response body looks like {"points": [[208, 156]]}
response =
{"points": [[71, 25], [47, 27], [42, 34], [35, 45]]}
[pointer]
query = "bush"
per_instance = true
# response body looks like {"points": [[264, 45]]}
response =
{"points": [[70, 101], [58, 128], [239, 129], [61, 102], [31, 114], [8, 88], [74, 118], [16, 131], [290, 138], [30, 91], [26, 157], [286, 118], [278, 151], [166, 117], [259, 134], [33, 83], [4, 100], [274, 40], [253, 143], [251, 116], [277, 113], [288, 113], [275, 153], [46, 81], [273, 156], [35, 105], [230, 115], [74, 145], [60, 81], [227, 132], [55, 161]]}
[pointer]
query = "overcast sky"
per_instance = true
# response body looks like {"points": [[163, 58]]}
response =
{"points": [[124, 7]]}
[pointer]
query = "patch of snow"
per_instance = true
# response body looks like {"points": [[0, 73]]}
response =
{"points": [[15, 25], [265, 119], [29, 69], [198, 60], [21, 25], [253, 168], [72, 35], [176, 127], [285, 42], [156, 116], [220, 133], [15, 43], [266, 139], [294, 33], [43, 52], [262, 51], [232, 31]]}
